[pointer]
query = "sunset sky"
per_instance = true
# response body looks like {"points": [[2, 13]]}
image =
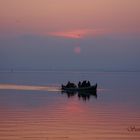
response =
{"points": [[70, 34]]}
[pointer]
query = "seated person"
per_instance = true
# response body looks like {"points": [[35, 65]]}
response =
{"points": [[70, 85], [84, 83]]}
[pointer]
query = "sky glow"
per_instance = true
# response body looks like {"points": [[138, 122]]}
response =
{"points": [[105, 28]]}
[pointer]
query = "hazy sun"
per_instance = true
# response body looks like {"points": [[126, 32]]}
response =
{"points": [[77, 50]]}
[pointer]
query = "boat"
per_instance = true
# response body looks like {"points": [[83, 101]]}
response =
{"points": [[84, 91], [92, 88]]}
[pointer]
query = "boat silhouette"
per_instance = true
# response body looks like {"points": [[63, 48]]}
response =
{"points": [[92, 88], [84, 92]]}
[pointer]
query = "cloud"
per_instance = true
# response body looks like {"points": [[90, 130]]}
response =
{"points": [[78, 34]]}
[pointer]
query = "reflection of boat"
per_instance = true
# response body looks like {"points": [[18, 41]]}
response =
{"points": [[85, 95], [80, 89]]}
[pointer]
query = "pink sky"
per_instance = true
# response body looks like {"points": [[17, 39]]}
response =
{"points": [[64, 17]]}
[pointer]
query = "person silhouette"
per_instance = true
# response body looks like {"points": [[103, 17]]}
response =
{"points": [[79, 84]]}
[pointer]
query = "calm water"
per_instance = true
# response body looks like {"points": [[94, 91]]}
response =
{"points": [[33, 108]]}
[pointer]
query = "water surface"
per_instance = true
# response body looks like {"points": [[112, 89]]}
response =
{"points": [[32, 106]]}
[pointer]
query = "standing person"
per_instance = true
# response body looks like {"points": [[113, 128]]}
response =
{"points": [[84, 83], [79, 84]]}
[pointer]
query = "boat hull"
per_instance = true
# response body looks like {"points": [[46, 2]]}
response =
{"points": [[77, 89]]}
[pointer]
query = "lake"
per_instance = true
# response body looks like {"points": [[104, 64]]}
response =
{"points": [[32, 106]]}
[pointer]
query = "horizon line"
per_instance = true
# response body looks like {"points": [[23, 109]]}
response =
{"points": [[66, 69]]}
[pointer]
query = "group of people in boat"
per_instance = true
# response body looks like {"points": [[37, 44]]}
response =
{"points": [[80, 84]]}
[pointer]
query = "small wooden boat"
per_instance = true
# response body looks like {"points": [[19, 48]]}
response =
{"points": [[92, 88]]}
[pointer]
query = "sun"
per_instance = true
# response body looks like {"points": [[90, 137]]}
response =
{"points": [[77, 50]]}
